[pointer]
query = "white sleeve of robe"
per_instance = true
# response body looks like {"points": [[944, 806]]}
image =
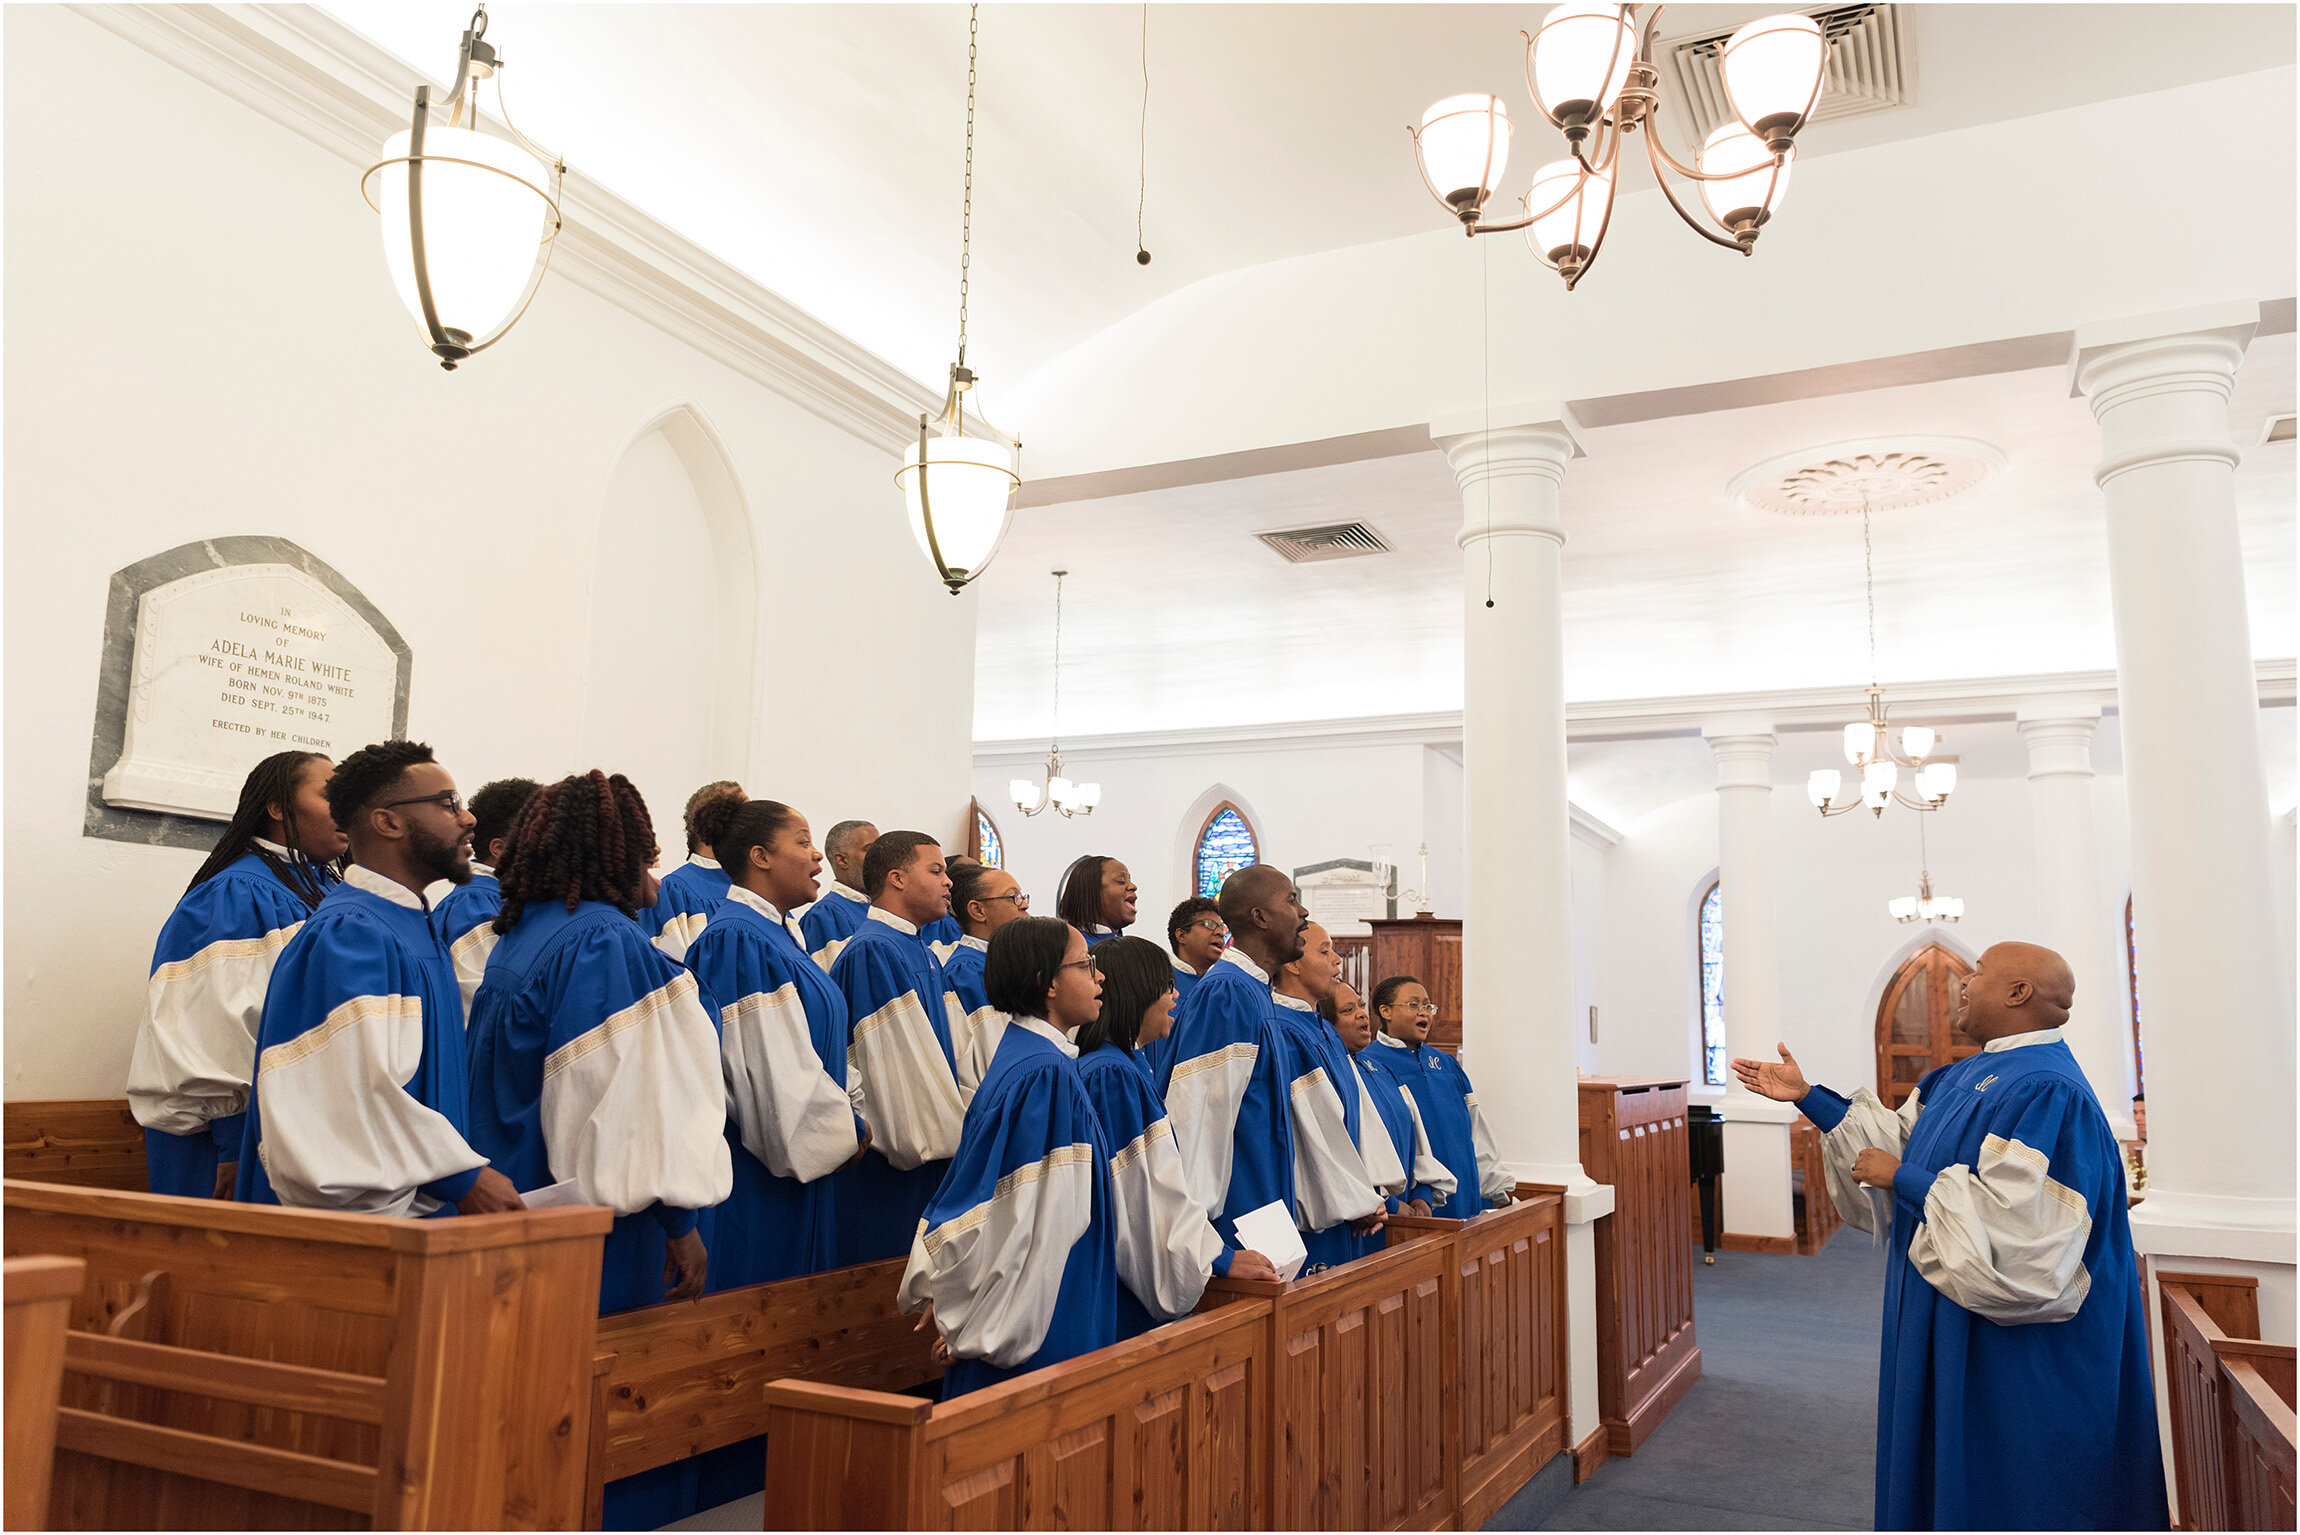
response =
{"points": [[470, 956], [994, 1273], [1383, 1169], [2003, 1239], [1166, 1246], [680, 932], [1496, 1183], [1202, 1102], [791, 1114], [635, 1109], [974, 1041], [904, 1088], [1330, 1182], [198, 1040], [1867, 1125], [1429, 1172]]}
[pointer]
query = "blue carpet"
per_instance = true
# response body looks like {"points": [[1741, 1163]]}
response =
{"points": [[1780, 1432]]}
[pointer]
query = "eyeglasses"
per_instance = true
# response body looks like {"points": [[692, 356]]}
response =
{"points": [[1416, 1007], [446, 799], [1021, 901], [1087, 964], [1210, 924]]}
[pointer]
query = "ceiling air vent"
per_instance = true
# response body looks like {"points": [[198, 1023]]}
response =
{"points": [[2278, 429], [1328, 541], [1864, 72]]}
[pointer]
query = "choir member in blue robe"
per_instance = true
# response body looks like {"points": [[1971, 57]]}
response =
{"points": [[361, 1092], [907, 1048], [827, 924], [943, 933], [984, 900], [2014, 1388], [1326, 1084], [1015, 1258], [1096, 897], [1441, 1090], [783, 1028], [1413, 1179], [1257, 1119], [195, 1056], [1167, 1248], [465, 914], [1196, 933], [692, 891]]}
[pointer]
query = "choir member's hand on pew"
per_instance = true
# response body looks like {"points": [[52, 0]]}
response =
{"points": [[925, 1322], [684, 1265], [1249, 1264], [1366, 1226], [1417, 1207], [227, 1174], [860, 1148], [1780, 1080], [1875, 1168], [492, 1194]]}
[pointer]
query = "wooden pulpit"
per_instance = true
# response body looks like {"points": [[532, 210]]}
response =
{"points": [[1428, 949], [1634, 1136]]}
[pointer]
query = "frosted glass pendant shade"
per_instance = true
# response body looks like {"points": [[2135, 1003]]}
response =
{"points": [[1936, 780], [1023, 792], [1752, 189], [1087, 795], [1567, 235], [970, 489], [1772, 71], [1823, 785], [1858, 739], [1903, 908], [1916, 741], [484, 224], [1879, 778], [1463, 145], [1580, 61]]}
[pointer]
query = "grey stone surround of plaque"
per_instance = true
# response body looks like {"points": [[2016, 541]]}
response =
{"points": [[1343, 894], [251, 645]]}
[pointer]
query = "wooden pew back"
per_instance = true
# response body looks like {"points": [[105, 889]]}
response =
{"points": [[2233, 1429], [87, 1142], [1161, 1432], [247, 1366], [39, 1302]]}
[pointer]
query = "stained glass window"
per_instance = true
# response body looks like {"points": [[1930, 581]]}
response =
{"points": [[2132, 971], [1713, 987], [989, 849], [1225, 845]]}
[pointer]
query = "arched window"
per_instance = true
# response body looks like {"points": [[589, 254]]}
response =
{"points": [[2132, 974], [1914, 1032], [1712, 936], [1226, 844], [983, 842]]}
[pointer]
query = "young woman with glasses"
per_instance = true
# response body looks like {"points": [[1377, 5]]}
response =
{"points": [[1442, 1091]]}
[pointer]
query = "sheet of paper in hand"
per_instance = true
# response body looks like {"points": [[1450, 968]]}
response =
{"points": [[554, 1196], [1270, 1231]]}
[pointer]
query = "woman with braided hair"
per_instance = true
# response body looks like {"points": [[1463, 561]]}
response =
{"points": [[692, 891], [196, 1052]]}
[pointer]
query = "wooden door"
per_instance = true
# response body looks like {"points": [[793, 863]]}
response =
{"points": [[1914, 1034]]}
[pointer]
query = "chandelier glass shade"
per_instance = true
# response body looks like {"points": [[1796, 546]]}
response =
{"points": [[1877, 767], [1925, 906], [469, 218], [1589, 70], [1057, 792]]}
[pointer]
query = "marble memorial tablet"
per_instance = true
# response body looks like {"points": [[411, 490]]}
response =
{"points": [[1343, 895]]}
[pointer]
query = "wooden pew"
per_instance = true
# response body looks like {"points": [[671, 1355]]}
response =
{"points": [[89, 1142], [1634, 1136], [39, 1301], [677, 1380], [2233, 1428], [1365, 1383], [1162, 1432], [1505, 1318], [251, 1367]]}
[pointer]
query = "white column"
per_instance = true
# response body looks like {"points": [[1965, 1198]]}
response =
{"points": [[2216, 1009], [1756, 1182], [1518, 1036], [2071, 919]]}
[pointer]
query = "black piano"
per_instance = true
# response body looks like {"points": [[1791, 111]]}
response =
{"points": [[1705, 1129]]}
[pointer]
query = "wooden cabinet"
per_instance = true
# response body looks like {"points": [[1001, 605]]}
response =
{"points": [[1633, 1136], [1429, 949]]}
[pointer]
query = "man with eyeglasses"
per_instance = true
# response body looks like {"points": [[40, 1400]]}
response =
{"points": [[983, 901], [361, 1089], [1197, 934]]}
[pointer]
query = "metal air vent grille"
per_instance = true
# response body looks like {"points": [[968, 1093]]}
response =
{"points": [[1327, 541], [2278, 429], [1864, 71]]}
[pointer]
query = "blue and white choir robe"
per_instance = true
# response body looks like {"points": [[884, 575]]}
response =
{"points": [[906, 1044], [595, 1060], [941, 934], [1166, 1247], [2014, 1389], [1185, 981], [1017, 1251], [1254, 1114], [1456, 1126], [783, 1042], [1097, 932], [1419, 1173], [1330, 1144], [465, 917], [361, 1090], [195, 1056], [683, 907], [830, 921], [962, 966]]}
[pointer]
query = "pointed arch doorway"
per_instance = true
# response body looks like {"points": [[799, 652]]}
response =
{"points": [[1914, 1032]]}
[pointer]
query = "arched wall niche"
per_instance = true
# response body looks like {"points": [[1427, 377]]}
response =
{"points": [[674, 624]]}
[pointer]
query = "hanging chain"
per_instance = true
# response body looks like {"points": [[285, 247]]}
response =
{"points": [[1142, 164], [1058, 658], [966, 207], [1869, 580]]}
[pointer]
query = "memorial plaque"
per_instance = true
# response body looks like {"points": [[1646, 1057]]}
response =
{"points": [[217, 655], [1344, 895]]}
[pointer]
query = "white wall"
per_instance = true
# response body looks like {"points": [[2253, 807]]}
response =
{"points": [[202, 340]]}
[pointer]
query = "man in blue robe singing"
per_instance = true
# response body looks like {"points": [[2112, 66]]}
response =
{"points": [[2014, 1387], [828, 921]]}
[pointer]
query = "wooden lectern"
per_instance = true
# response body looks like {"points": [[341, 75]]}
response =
{"points": [[1634, 1136], [1429, 949]]}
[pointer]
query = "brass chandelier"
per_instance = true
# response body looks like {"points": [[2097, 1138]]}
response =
{"points": [[1869, 742]]}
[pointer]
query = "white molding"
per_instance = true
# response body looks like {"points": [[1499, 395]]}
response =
{"points": [[1799, 709], [1590, 829], [324, 82]]}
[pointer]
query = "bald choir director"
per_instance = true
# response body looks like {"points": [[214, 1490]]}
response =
{"points": [[2013, 1392]]}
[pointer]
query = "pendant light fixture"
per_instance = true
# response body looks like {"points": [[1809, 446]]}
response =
{"points": [[960, 489], [1589, 69], [1072, 799], [1925, 906], [469, 219]]}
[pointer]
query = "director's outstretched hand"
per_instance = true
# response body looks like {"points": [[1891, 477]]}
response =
{"points": [[1779, 1080]]}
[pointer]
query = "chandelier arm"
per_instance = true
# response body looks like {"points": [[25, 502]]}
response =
{"points": [[1654, 146], [422, 266], [926, 513], [1528, 220], [1656, 154], [1598, 244]]}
